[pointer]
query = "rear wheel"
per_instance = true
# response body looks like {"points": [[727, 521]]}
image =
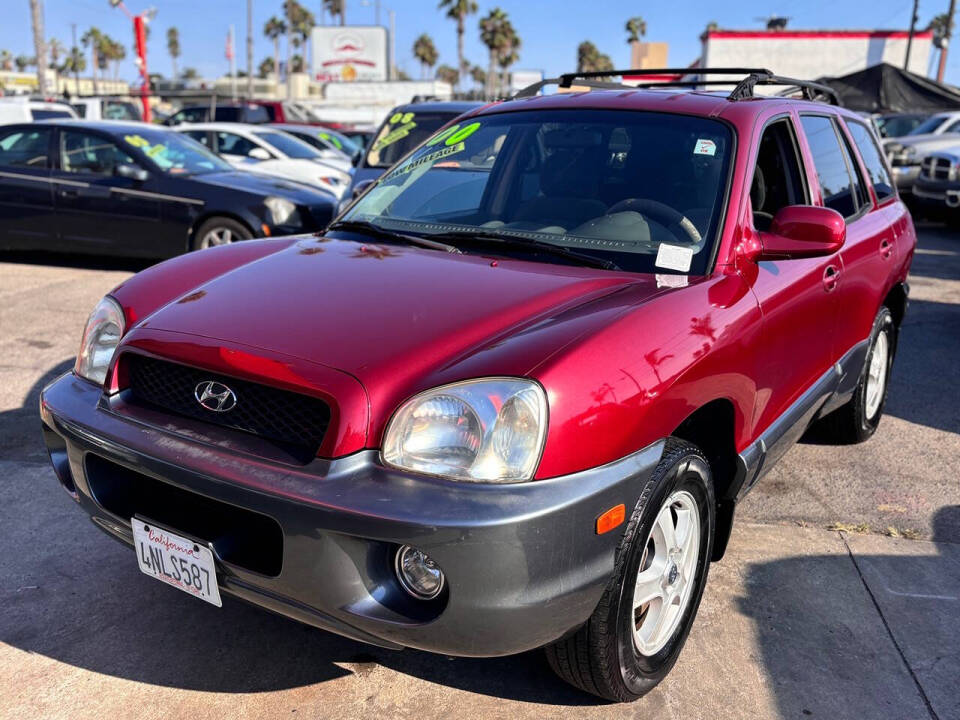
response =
{"points": [[858, 419], [636, 633], [219, 231]]}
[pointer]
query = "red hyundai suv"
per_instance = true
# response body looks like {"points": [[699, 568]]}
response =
{"points": [[512, 397]]}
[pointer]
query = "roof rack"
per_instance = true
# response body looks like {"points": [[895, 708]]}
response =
{"points": [[743, 87]]}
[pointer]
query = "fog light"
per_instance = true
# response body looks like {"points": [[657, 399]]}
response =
{"points": [[418, 574]]}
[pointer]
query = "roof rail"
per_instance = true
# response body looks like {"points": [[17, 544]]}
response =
{"points": [[743, 87]]}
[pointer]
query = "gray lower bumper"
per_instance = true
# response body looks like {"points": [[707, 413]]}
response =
{"points": [[523, 562]]}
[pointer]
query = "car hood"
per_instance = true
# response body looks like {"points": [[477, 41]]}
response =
{"points": [[397, 318], [265, 185]]}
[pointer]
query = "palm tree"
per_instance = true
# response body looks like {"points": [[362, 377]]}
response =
{"points": [[508, 55], [56, 49], [36, 17], [305, 23], [336, 8], [23, 62], [457, 10], [589, 59], [478, 76], [636, 28], [494, 33], [115, 52], [447, 74], [93, 39], [274, 28], [265, 68], [173, 48], [296, 64], [6, 60], [75, 63], [426, 52], [189, 74]]}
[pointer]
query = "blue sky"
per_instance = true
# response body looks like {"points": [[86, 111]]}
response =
{"points": [[550, 29]]}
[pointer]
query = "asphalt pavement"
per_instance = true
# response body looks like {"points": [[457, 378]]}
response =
{"points": [[839, 596]]}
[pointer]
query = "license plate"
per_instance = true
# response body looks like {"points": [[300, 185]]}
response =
{"points": [[176, 560]]}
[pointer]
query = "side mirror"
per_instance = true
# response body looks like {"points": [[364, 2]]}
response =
{"points": [[132, 172], [259, 154], [361, 187], [802, 231]]}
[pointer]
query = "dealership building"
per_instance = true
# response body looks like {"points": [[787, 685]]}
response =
{"points": [[811, 54]]}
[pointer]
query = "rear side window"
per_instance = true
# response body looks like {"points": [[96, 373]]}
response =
{"points": [[227, 114], [833, 168], [117, 110], [876, 168], [230, 144], [257, 114], [44, 114], [25, 148]]}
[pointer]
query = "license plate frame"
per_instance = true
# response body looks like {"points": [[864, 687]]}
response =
{"points": [[183, 562]]}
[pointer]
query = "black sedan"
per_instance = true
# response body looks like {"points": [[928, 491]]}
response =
{"points": [[138, 190]]}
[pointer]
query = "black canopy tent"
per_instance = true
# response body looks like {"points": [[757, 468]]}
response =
{"points": [[886, 88]]}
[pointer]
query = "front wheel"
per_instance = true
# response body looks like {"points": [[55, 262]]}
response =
{"points": [[636, 633], [219, 231]]}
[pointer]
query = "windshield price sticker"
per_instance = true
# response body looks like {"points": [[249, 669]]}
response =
{"points": [[404, 123], [429, 158], [674, 257], [137, 141], [705, 147], [453, 134]]}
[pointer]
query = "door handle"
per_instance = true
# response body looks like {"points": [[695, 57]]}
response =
{"points": [[831, 275], [886, 249], [69, 193]]}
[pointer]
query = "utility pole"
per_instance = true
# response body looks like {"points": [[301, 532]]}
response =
{"points": [[913, 29], [232, 57], [392, 70], [946, 41], [39, 46], [249, 49]]}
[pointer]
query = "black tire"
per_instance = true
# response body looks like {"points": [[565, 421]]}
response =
{"points": [[851, 423], [229, 227], [602, 657]]}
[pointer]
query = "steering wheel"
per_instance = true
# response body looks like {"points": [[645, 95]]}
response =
{"points": [[663, 214]]}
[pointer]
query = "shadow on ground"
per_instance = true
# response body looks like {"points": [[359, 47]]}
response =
{"points": [[73, 260], [821, 650], [20, 437]]}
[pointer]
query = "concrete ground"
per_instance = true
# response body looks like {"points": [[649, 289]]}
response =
{"points": [[797, 621]]}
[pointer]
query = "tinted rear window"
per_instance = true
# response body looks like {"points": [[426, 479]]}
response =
{"points": [[830, 163], [39, 114], [401, 133], [227, 114], [876, 168], [25, 148]]}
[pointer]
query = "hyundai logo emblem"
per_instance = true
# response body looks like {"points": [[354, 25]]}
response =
{"points": [[215, 396]]}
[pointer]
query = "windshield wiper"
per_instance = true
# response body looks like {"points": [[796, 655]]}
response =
{"points": [[368, 228], [520, 243]]}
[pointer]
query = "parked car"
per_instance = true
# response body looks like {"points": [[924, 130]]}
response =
{"points": [[334, 147], [937, 188], [271, 152], [405, 127], [96, 108], [285, 111], [361, 135], [246, 112], [136, 189], [894, 125], [906, 153], [513, 397], [17, 110]]}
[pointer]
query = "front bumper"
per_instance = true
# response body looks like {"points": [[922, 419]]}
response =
{"points": [[904, 176], [523, 562]]}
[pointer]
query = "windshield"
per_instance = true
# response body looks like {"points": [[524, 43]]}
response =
{"points": [[288, 145], [929, 125], [175, 154], [641, 189], [401, 133], [898, 125], [339, 141]]}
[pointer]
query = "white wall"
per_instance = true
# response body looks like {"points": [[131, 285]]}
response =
{"points": [[807, 57]]}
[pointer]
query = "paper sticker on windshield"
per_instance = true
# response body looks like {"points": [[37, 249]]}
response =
{"points": [[674, 257], [428, 158], [136, 140], [705, 147], [398, 133]]}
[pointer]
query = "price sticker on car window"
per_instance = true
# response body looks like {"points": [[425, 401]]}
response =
{"points": [[705, 146], [674, 257]]}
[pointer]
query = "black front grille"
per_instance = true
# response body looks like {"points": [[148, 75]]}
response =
{"points": [[285, 417]]}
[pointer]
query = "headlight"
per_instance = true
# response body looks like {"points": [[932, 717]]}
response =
{"points": [[489, 430], [101, 336], [282, 212]]}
